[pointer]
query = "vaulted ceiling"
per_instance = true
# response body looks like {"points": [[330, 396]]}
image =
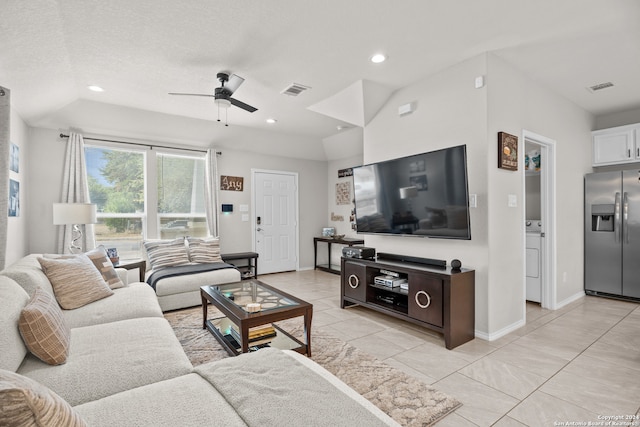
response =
{"points": [[138, 51]]}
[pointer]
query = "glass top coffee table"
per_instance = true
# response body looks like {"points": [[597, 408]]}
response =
{"points": [[251, 307]]}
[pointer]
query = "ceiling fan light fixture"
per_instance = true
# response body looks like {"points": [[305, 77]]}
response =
{"points": [[223, 103]]}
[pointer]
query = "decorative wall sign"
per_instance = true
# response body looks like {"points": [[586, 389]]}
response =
{"points": [[343, 193], [342, 173], [507, 151], [231, 183]]}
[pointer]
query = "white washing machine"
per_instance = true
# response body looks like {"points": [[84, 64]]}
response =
{"points": [[534, 260]]}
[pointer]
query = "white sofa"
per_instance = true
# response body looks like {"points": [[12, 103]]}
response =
{"points": [[184, 291], [175, 292], [126, 367]]}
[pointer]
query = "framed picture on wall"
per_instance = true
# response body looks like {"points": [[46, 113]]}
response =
{"points": [[507, 151], [14, 198], [14, 158]]}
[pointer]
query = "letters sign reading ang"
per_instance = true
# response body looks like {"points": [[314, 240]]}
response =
{"points": [[231, 183]]}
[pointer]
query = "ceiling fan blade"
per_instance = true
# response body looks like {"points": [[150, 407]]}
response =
{"points": [[242, 105], [234, 83], [191, 94]]}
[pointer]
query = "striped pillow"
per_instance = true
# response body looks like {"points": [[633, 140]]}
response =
{"points": [[43, 329], [204, 251], [166, 253], [25, 402], [75, 281], [99, 258]]}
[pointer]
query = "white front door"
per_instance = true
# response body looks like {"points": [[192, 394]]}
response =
{"points": [[275, 220]]}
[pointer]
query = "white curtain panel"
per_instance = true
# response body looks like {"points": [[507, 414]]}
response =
{"points": [[5, 120], [75, 189], [211, 191]]}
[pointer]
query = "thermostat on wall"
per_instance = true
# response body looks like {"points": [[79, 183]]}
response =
{"points": [[227, 208]]}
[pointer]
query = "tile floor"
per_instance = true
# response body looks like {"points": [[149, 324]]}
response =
{"points": [[577, 364]]}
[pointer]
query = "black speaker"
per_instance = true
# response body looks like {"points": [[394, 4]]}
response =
{"points": [[456, 264]]}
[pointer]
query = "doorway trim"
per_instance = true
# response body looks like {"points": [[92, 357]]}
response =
{"points": [[297, 209], [548, 210]]}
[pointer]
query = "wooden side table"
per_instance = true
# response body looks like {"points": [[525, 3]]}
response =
{"points": [[140, 264], [329, 241], [249, 269]]}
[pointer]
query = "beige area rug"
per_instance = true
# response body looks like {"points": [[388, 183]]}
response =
{"points": [[408, 401]]}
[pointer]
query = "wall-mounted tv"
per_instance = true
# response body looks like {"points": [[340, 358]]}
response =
{"points": [[423, 195]]}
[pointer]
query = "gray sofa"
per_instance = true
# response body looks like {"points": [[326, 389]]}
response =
{"points": [[126, 367]]}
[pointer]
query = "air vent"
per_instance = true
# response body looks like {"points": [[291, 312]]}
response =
{"points": [[294, 89], [600, 86]]}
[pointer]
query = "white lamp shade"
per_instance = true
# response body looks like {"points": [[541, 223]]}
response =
{"points": [[408, 192], [74, 213]]}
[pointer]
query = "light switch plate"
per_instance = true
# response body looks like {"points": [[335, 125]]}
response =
{"points": [[244, 208], [473, 200], [513, 201], [245, 217]]}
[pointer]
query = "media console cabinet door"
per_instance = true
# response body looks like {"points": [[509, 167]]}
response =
{"points": [[355, 281], [425, 299]]}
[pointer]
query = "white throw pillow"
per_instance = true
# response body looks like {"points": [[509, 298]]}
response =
{"points": [[204, 251], [166, 253]]}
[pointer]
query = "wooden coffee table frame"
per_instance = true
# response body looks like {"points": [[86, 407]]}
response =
{"points": [[246, 321]]}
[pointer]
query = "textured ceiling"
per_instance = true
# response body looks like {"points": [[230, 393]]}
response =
{"points": [[138, 51]]}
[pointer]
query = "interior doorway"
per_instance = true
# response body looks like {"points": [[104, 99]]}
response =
{"points": [[540, 233], [275, 220]]}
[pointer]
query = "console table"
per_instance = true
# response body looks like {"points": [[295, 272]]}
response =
{"points": [[329, 241]]}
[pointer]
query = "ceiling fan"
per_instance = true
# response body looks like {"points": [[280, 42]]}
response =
{"points": [[222, 95]]}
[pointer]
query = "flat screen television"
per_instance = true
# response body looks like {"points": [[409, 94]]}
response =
{"points": [[423, 195]]}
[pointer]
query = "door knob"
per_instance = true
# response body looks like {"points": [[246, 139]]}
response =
{"points": [[258, 229]]}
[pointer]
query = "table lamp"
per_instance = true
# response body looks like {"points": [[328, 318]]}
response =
{"points": [[75, 214]]}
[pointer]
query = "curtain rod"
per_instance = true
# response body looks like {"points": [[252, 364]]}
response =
{"points": [[142, 145]]}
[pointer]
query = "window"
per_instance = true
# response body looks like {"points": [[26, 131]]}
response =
{"points": [[116, 185], [145, 194], [181, 196]]}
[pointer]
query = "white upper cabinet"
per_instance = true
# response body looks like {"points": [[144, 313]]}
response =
{"points": [[616, 145]]}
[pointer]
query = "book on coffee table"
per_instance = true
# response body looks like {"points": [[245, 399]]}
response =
{"points": [[258, 335]]}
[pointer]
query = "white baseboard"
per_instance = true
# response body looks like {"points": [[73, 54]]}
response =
{"points": [[502, 332], [569, 300]]}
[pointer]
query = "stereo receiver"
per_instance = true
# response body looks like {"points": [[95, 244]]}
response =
{"points": [[388, 281], [358, 252]]}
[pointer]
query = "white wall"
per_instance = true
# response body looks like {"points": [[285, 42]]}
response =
{"points": [[46, 160], [342, 227], [450, 111], [47, 156], [18, 229], [235, 235], [517, 103], [620, 118]]}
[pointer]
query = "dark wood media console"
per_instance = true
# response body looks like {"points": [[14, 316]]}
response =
{"points": [[440, 299]]}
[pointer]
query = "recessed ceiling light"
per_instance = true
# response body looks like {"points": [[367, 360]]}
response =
{"points": [[271, 121], [378, 58], [95, 88]]}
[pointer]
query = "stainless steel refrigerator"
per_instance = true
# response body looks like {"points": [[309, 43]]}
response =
{"points": [[612, 233]]}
